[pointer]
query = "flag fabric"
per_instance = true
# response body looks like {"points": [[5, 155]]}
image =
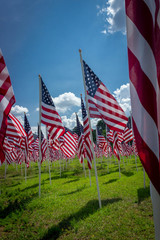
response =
{"points": [[87, 137], [27, 128], [128, 135], [49, 115], [101, 141], [109, 135], [143, 38], [101, 102], [80, 150], [7, 99], [14, 127], [69, 144], [116, 145]]}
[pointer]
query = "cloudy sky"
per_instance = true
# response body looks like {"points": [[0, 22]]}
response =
{"points": [[43, 37]]}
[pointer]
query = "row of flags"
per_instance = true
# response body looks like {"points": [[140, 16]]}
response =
{"points": [[59, 137], [143, 34]]}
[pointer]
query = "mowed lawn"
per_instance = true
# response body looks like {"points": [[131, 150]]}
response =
{"points": [[68, 207]]}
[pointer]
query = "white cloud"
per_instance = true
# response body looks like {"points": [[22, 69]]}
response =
{"points": [[16, 110], [114, 16], [122, 95], [66, 101]]}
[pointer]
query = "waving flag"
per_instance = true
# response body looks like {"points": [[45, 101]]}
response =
{"points": [[101, 103], [80, 150], [143, 35], [28, 131], [7, 99], [87, 137], [69, 144], [14, 127], [101, 141], [49, 115]]}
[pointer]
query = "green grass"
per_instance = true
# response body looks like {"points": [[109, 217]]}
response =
{"points": [[69, 208]]}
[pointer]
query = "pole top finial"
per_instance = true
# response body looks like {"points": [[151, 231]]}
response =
{"points": [[39, 75], [81, 94], [80, 50]]}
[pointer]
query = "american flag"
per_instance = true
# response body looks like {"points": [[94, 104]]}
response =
{"points": [[80, 150], [28, 131], [87, 137], [101, 103], [43, 144], [143, 35], [69, 145], [14, 127], [116, 145], [101, 141], [7, 99], [128, 133], [109, 135], [49, 115]]}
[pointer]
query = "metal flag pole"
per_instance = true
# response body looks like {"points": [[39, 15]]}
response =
{"points": [[90, 177], [48, 155], [26, 155], [86, 98], [40, 154]]}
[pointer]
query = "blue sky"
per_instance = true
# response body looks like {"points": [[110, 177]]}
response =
{"points": [[43, 37]]}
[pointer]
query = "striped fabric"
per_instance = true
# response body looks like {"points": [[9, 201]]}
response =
{"points": [[7, 99], [14, 127], [69, 144], [143, 35], [128, 135], [28, 131], [49, 115], [87, 137], [116, 145], [80, 151], [101, 103], [101, 141]]}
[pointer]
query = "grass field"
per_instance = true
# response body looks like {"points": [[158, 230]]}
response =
{"points": [[68, 207]]}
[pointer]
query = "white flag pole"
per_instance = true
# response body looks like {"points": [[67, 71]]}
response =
{"points": [[5, 169], [156, 210], [90, 176], [48, 156], [86, 99], [40, 154], [84, 168]]}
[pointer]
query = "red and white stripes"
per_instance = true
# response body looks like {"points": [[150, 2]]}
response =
{"points": [[143, 34]]}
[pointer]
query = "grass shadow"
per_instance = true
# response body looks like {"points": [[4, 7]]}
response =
{"points": [[78, 190], [143, 193], [73, 180], [16, 205], [14, 185], [127, 174], [30, 187], [92, 206], [111, 181]]}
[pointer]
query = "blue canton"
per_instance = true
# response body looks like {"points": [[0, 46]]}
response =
{"points": [[27, 127], [46, 98], [79, 129], [84, 113], [92, 81]]}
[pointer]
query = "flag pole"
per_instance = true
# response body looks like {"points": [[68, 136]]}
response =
{"points": [[86, 99], [155, 197], [48, 156], [40, 154]]}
